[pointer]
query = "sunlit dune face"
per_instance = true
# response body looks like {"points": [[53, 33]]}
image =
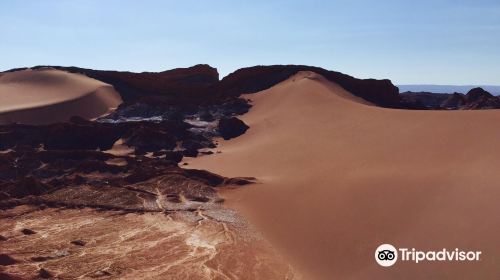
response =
{"points": [[48, 95], [338, 178]]}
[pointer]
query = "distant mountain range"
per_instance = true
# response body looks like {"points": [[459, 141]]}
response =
{"points": [[495, 90]]}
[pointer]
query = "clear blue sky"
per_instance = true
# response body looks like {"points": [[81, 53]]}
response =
{"points": [[424, 41]]}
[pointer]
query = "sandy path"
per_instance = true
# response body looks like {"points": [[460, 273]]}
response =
{"points": [[338, 178]]}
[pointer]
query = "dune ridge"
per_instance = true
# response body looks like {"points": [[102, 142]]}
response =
{"points": [[47, 95], [337, 178]]}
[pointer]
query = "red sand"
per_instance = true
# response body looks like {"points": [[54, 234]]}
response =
{"points": [[338, 178], [48, 95]]}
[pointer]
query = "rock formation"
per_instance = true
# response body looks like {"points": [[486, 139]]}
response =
{"points": [[475, 99], [231, 127]]}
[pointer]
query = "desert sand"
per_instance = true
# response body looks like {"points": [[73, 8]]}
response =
{"points": [[338, 177], [48, 95]]}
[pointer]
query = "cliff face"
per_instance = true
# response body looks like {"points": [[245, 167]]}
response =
{"points": [[257, 78]]}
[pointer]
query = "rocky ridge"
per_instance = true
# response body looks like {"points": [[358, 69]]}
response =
{"points": [[475, 99]]}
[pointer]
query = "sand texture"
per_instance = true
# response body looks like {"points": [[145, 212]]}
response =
{"points": [[338, 177], [47, 96]]}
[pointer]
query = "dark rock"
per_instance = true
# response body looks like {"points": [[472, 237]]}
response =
{"points": [[3, 238], [198, 198], [190, 153], [231, 127], [152, 137], [27, 231], [6, 260], [193, 144], [24, 187], [101, 273], [45, 274], [175, 198], [422, 100], [204, 176], [80, 137], [478, 98], [174, 115], [454, 101], [4, 196], [42, 258], [206, 116], [173, 156], [475, 99], [57, 155], [235, 106], [169, 155], [476, 94], [78, 242], [240, 181]]}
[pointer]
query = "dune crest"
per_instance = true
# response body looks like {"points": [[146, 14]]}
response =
{"points": [[338, 178], [46, 95]]}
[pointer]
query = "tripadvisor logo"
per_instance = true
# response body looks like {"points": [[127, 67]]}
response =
{"points": [[387, 255]]}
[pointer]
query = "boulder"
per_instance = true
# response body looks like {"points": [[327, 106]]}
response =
{"points": [[231, 127], [27, 231], [6, 260], [45, 274]]}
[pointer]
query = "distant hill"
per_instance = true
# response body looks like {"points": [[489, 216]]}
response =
{"points": [[495, 90], [475, 99]]}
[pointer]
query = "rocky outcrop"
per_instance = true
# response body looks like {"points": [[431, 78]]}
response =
{"points": [[422, 100], [478, 98], [231, 127], [143, 136], [476, 95], [454, 101], [475, 99], [87, 179]]}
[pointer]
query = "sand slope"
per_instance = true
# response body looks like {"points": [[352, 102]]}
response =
{"points": [[48, 95], [338, 178]]}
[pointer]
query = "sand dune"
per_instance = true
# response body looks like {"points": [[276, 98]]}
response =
{"points": [[338, 178], [48, 95]]}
